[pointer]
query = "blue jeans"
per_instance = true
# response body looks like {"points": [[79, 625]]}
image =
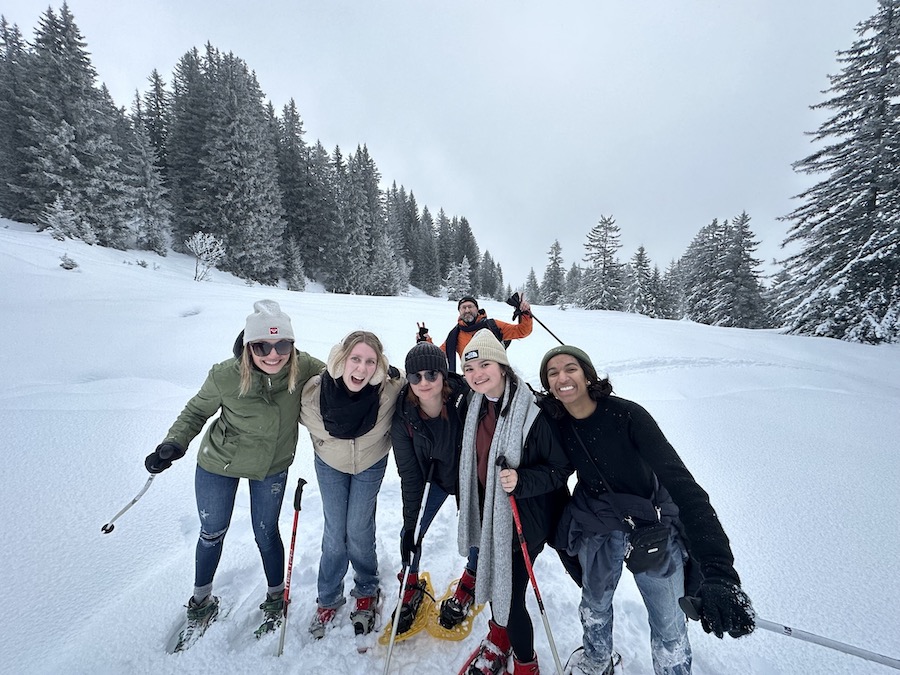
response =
{"points": [[348, 502], [602, 557], [215, 504], [436, 498]]}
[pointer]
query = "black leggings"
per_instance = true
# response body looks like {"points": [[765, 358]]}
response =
{"points": [[521, 632]]}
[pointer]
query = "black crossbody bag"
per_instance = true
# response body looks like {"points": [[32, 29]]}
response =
{"points": [[648, 545]]}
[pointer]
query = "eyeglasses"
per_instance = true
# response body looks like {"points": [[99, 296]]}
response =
{"points": [[430, 375], [283, 347]]}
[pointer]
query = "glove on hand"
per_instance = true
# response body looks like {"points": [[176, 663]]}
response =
{"points": [[423, 333], [408, 547], [161, 459], [725, 608]]}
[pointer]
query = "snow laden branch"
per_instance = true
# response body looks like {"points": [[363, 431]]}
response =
{"points": [[209, 252]]}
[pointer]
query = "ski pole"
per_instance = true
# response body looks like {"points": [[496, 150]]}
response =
{"points": [[298, 495], [405, 572], [514, 301], [501, 462], [691, 607], [109, 527]]}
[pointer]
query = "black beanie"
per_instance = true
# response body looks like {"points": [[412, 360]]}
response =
{"points": [[467, 298], [426, 356]]}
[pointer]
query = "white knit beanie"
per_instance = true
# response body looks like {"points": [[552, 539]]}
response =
{"points": [[267, 322], [485, 346]]}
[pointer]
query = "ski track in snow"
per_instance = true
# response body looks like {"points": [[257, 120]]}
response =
{"points": [[794, 439]]}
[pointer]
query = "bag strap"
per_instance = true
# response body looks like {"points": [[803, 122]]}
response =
{"points": [[612, 502]]}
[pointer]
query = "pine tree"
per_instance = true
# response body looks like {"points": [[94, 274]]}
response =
{"points": [[294, 275], [241, 201], [13, 57], [602, 284], [155, 116], [703, 272], [468, 249], [149, 204], [845, 282], [573, 284], [640, 298], [553, 284], [445, 242], [532, 288], [740, 301]]}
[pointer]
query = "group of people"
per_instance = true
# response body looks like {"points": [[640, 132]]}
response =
{"points": [[485, 438]]}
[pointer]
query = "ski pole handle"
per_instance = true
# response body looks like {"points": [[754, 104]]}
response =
{"points": [[298, 493]]}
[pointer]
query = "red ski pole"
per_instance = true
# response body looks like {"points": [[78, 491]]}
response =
{"points": [[501, 462], [298, 495]]}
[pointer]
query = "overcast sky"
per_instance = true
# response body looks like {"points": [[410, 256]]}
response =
{"points": [[531, 119]]}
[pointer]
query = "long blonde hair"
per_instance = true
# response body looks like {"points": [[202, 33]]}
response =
{"points": [[339, 353], [246, 370]]}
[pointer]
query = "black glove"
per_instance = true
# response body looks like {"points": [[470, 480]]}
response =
{"points": [[423, 333], [725, 608], [408, 548], [161, 459]]}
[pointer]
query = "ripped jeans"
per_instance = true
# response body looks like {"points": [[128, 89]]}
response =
{"points": [[602, 557], [215, 504]]}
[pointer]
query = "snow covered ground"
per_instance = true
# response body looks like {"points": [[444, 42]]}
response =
{"points": [[794, 438]]}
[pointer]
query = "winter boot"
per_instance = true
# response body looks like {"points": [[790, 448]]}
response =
{"points": [[492, 655], [363, 615], [273, 611], [527, 668], [203, 612], [413, 594], [321, 620], [455, 608]]}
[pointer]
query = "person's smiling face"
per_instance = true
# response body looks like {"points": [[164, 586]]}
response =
{"points": [[485, 377], [359, 367]]}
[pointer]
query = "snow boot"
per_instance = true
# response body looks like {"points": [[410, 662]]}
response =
{"points": [[363, 615], [455, 608], [413, 595], [527, 668], [321, 620], [576, 665], [492, 655], [273, 611], [204, 611]]}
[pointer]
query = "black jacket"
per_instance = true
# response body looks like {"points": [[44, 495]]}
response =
{"points": [[628, 446], [415, 447]]}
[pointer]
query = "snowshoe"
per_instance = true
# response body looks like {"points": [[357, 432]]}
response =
{"points": [[461, 630], [455, 608], [364, 613], [573, 665], [322, 619], [423, 615], [199, 616], [273, 612], [492, 656]]}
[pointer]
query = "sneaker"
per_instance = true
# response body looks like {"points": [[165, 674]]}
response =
{"points": [[413, 595], [455, 608], [321, 620], [492, 655], [203, 611], [363, 614]]}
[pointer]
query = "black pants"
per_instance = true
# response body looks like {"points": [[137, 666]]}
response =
{"points": [[521, 632]]}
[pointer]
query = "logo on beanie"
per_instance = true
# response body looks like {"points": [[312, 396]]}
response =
{"points": [[468, 356], [273, 330]]}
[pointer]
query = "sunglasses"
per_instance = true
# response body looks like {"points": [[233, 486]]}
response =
{"points": [[430, 375], [283, 347]]}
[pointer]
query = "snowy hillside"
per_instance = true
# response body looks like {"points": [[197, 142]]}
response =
{"points": [[794, 438]]}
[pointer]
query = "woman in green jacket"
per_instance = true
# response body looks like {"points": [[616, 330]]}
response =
{"points": [[257, 396]]}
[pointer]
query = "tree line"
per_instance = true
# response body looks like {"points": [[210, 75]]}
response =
{"points": [[207, 155]]}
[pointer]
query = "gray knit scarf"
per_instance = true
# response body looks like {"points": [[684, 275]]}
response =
{"points": [[492, 533]]}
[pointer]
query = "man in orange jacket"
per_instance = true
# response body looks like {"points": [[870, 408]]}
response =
{"points": [[472, 319]]}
